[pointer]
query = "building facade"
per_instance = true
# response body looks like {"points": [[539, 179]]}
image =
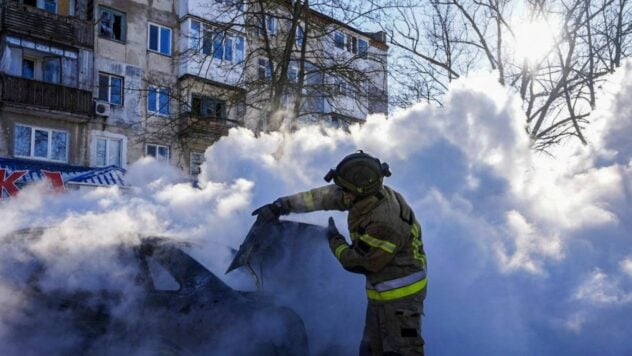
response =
{"points": [[105, 82]]}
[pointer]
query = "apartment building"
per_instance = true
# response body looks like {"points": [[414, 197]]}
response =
{"points": [[47, 54], [103, 83]]}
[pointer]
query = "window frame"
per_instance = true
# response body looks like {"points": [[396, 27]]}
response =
{"points": [[157, 145], [159, 92], [113, 12], [159, 39], [109, 91], [50, 143], [207, 44]]}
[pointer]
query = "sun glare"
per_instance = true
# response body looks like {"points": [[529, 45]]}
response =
{"points": [[534, 40]]}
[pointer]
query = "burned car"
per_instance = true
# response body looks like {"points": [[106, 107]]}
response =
{"points": [[162, 301]]}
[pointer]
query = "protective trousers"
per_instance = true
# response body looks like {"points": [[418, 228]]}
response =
{"points": [[394, 327]]}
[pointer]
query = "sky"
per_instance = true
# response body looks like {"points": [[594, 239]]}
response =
{"points": [[529, 253]]}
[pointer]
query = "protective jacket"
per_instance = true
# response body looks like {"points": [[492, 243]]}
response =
{"points": [[386, 239]]}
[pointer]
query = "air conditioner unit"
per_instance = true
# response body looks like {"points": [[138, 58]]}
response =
{"points": [[102, 108]]}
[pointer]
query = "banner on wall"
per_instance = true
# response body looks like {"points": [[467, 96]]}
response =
{"points": [[15, 174]]}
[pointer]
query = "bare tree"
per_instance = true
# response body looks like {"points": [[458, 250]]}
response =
{"points": [[558, 89]]}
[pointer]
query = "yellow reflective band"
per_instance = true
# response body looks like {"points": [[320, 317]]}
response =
{"points": [[308, 199], [339, 250], [397, 293], [384, 245]]}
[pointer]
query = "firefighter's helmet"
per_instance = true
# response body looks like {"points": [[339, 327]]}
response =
{"points": [[359, 173]]}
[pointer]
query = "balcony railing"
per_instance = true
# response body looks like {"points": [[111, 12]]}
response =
{"points": [[194, 126], [50, 96], [28, 20]]}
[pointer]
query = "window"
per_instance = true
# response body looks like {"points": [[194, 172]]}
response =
{"points": [[50, 6], [264, 71], [159, 39], [205, 106], [159, 152], [292, 72], [339, 40], [222, 45], [41, 143], [28, 68], [51, 69], [108, 152], [270, 23], [197, 158], [363, 48], [42, 68], [300, 34], [111, 88], [158, 100], [112, 24]]}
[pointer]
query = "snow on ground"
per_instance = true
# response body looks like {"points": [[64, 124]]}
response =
{"points": [[528, 254]]}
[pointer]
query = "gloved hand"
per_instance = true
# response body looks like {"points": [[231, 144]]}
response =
{"points": [[332, 230], [272, 211]]}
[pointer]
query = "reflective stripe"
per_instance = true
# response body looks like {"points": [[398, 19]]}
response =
{"points": [[397, 293], [398, 282], [308, 200], [384, 245], [339, 250]]}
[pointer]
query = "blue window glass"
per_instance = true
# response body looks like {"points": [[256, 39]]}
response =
{"points": [[363, 48], [163, 153], [50, 6], [28, 68], [299, 36], [239, 50], [165, 40], [195, 34], [116, 90], [151, 150], [59, 146], [152, 99], [228, 48], [22, 141], [52, 69], [153, 38], [339, 40], [41, 143], [271, 25], [114, 156], [101, 152], [218, 48], [164, 101]]}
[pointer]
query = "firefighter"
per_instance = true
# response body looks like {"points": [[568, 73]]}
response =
{"points": [[386, 247]]}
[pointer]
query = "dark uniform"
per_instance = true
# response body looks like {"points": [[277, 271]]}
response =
{"points": [[386, 247]]}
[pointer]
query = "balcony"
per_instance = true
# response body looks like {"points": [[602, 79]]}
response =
{"points": [[45, 95], [193, 126], [27, 20]]}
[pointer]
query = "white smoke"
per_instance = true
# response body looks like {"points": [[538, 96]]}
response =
{"points": [[528, 253]]}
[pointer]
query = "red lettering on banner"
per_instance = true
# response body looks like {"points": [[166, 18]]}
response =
{"points": [[8, 183], [56, 180]]}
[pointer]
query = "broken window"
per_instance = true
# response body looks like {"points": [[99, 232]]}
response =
{"points": [[112, 24]]}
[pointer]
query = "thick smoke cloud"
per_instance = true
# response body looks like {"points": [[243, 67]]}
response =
{"points": [[529, 253]]}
